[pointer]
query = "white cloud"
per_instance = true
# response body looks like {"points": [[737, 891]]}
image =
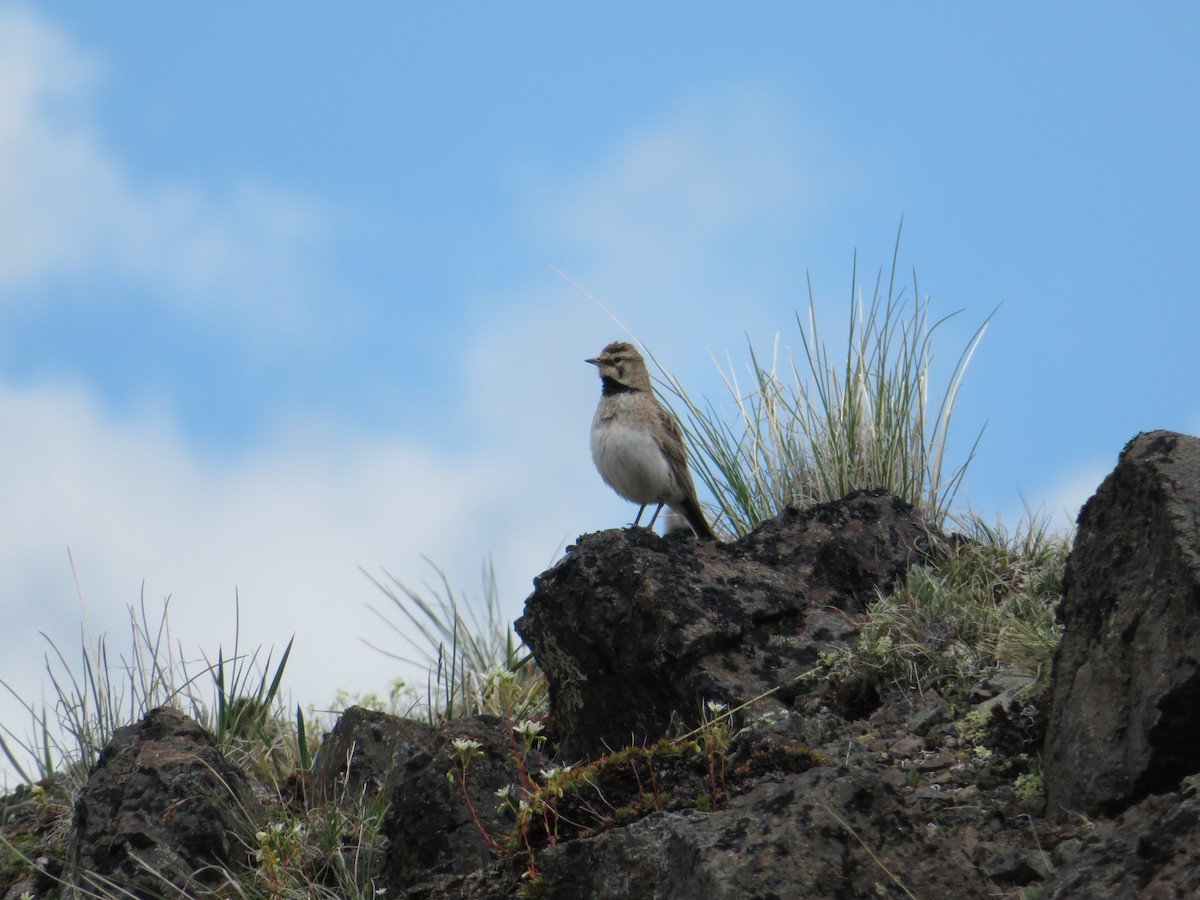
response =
{"points": [[69, 208], [286, 527]]}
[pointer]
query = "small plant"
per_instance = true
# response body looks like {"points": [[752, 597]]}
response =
{"points": [[972, 728], [534, 801], [715, 735], [980, 755], [554, 781], [279, 849], [248, 718], [987, 602], [531, 802], [466, 750], [1029, 786]]}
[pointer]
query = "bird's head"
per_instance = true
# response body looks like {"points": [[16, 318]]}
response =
{"points": [[620, 364]]}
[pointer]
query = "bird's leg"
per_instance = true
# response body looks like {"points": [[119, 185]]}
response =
{"points": [[638, 518], [655, 516]]}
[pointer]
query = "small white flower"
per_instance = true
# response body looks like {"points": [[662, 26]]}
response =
{"points": [[529, 728], [466, 745], [497, 678]]}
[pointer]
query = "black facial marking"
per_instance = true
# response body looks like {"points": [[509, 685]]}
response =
{"points": [[610, 386]]}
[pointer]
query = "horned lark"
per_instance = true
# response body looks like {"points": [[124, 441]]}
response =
{"points": [[636, 445]]}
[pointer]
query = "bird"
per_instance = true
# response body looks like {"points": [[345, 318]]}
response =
{"points": [[636, 444]]}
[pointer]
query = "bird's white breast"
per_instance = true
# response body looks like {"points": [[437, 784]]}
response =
{"points": [[630, 462]]}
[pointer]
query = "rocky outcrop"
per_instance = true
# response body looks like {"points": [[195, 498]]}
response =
{"points": [[162, 815], [1125, 711], [635, 631], [809, 791], [879, 808]]}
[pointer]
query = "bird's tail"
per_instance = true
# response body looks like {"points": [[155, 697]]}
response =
{"points": [[690, 509]]}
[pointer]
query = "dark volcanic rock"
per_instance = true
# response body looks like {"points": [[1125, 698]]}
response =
{"points": [[357, 754], [631, 628], [161, 805], [804, 836], [1125, 714], [430, 830], [1151, 850]]}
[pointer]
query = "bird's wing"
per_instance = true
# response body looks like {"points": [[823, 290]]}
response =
{"points": [[673, 449]]}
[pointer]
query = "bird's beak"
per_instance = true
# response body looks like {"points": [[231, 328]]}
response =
{"points": [[594, 362]]}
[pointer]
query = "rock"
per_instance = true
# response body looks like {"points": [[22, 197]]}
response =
{"points": [[160, 808], [806, 835], [934, 712], [356, 756], [1151, 850], [1012, 866], [433, 839], [632, 629], [1125, 695]]}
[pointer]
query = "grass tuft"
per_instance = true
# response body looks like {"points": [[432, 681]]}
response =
{"points": [[988, 604], [815, 427], [464, 646]]}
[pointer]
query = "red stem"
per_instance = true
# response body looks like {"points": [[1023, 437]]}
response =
{"points": [[475, 817]]}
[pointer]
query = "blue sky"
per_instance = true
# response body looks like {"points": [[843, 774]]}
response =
{"points": [[278, 298]]}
